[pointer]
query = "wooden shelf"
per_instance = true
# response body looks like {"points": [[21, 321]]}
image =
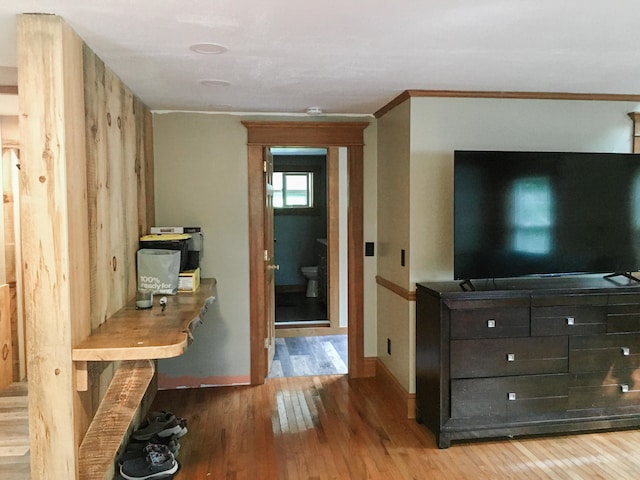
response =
{"points": [[132, 334]]}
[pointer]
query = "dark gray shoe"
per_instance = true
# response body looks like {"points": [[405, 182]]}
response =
{"points": [[163, 414], [165, 425], [159, 463], [142, 449]]}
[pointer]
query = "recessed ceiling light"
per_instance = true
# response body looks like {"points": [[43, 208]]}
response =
{"points": [[208, 48], [215, 83]]}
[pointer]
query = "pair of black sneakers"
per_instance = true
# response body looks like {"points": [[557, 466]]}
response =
{"points": [[152, 451]]}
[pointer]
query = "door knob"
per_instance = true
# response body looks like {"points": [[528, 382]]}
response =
{"points": [[273, 267]]}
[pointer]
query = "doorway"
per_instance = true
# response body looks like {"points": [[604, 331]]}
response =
{"points": [[310, 240], [317, 134], [301, 206]]}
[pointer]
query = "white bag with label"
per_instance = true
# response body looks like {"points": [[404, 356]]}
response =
{"points": [[159, 270]]}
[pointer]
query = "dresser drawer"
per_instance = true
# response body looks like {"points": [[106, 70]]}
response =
{"points": [[492, 322], [610, 389], [623, 318], [568, 320], [509, 396], [604, 353], [508, 356]]}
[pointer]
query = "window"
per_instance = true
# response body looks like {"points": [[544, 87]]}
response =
{"points": [[293, 189], [297, 189]]}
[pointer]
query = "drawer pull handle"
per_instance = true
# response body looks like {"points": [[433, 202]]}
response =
{"points": [[491, 323], [571, 321], [625, 351], [511, 395], [511, 357], [624, 388]]}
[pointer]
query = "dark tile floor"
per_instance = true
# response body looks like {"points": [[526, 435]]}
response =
{"points": [[296, 308], [303, 356]]}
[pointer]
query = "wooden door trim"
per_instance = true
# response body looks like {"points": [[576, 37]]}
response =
{"points": [[333, 239], [310, 134], [256, 264]]}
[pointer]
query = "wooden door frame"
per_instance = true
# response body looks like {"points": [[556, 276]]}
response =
{"points": [[306, 134]]}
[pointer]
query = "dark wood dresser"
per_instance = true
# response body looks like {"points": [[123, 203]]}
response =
{"points": [[527, 356]]}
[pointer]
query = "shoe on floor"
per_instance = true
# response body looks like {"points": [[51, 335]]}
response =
{"points": [[159, 463], [160, 426], [162, 414], [142, 449]]}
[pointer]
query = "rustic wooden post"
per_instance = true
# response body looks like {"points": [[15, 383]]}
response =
{"points": [[53, 210]]}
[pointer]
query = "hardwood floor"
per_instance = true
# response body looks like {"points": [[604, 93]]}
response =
{"points": [[325, 427], [14, 433]]}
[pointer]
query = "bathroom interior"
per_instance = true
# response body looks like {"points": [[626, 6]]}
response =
{"points": [[300, 234]]}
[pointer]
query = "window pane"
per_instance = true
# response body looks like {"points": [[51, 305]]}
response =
{"points": [[277, 199], [277, 181], [293, 189], [296, 182], [297, 198]]}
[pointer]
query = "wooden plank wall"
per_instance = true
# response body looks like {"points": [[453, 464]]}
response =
{"points": [[117, 175], [6, 370], [86, 194], [8, 196]]}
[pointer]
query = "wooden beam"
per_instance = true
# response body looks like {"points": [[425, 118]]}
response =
{"points": [[8, 90], [53, 211], [115, 418], [256, 264], [305, 134], [6, 367], [333, 237], [355, 246]]}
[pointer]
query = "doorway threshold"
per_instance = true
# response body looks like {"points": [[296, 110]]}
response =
{"points": [[303, 324]]}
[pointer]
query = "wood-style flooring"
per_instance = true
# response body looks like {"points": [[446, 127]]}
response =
{"points": [[14, 433], [303, 356], [327, 427]]}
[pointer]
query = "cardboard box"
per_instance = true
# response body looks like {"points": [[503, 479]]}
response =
{"points": [[189, 280]]}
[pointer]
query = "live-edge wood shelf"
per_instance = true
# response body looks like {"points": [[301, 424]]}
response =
{"points": [[133, 334], [136, 337]]}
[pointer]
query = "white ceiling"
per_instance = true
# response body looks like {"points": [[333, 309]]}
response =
{"points": [[347, 56]]}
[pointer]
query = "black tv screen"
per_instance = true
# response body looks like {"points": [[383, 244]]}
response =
{"points": [[545, 213]]}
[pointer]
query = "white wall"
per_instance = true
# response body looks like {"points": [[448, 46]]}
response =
{"points": [[415, 184], [370, 228], [394, 155], [201, 179], [441, 125], [394, 313]]}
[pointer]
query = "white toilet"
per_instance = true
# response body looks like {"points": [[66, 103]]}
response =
{"points": [[311, 273]]}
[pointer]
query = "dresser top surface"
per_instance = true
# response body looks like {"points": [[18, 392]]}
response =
{"points": [[573, 284]]}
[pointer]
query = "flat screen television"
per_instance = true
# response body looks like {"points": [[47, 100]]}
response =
{"points": [[545, 213]]}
